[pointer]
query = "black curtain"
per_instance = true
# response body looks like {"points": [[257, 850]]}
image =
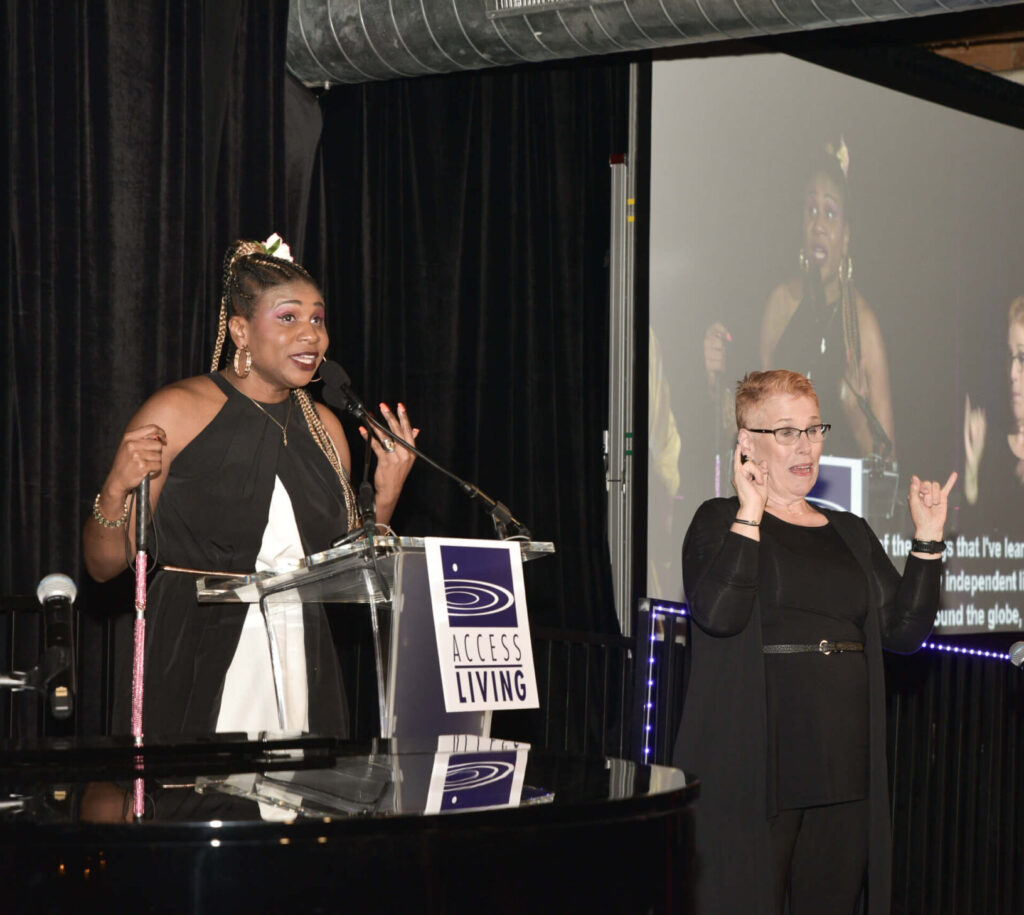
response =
{"points": [[143, 137], [461, 229], [956, 759]]}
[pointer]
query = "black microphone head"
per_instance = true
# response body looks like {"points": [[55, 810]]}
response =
{"points": [[336, 397], [56, 585], [337, 391], [333, 374], [1017, 654], [814, 287]]}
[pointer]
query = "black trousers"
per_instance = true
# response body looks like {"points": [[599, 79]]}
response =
{"points": [[819, 858]]}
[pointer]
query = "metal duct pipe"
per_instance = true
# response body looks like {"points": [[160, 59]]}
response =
{"points": [[354, 41]]}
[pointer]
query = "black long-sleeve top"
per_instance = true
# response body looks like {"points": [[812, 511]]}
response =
{"points": [[724, 736]]}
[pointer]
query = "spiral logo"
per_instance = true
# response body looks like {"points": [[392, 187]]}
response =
{"points": [[478, 774], [469, 598], [478, 587]]}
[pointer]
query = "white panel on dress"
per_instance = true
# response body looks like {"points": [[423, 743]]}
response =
{"points": [[248, 702]]}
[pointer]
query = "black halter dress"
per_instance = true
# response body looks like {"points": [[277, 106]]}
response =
{"points": [[213, 516]]}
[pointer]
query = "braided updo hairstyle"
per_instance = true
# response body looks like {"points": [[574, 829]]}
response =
{"points": [[248, 272]]}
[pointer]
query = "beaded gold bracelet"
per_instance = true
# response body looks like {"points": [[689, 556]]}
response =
{"points": [[106, 522]]}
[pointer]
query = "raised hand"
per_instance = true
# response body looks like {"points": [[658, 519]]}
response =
{"points": [[139, 454], [974, 447], [393, 460], [715, 339], [750, 480], [928, 504]]}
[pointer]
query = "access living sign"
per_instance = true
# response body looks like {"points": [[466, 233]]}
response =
{"points": [[480, 620]]}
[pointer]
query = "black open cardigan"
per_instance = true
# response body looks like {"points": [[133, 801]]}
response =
{"points": [[723, 733]]}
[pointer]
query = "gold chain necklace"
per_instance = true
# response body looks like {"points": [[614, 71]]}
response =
{"points": [[287, 416]]}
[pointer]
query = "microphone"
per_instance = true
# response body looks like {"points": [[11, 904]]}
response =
{"points": [[1017, 654], [57, 593], [814, 289], [337, 392]]}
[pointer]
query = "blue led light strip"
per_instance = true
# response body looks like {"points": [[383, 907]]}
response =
{"points": [[677, 610], [649, 704], [971, 652], [656, 609]]}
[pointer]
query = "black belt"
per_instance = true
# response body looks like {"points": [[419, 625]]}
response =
{"points": [[825, 646]]}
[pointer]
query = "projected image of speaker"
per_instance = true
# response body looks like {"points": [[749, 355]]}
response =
{"points": [[871, 241]]}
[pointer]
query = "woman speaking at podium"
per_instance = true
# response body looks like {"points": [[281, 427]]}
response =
{"points": [[246, 471], [784, 716]]}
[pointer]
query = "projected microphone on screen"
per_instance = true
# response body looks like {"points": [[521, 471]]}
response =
{"points": [[817, 322]]}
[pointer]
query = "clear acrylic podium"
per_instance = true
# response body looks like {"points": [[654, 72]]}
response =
{"points": [[389, 576]]}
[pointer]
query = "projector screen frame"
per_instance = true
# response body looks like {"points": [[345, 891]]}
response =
{"points": [[903, 68]]}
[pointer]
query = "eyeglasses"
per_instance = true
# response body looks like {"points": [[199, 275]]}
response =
{"points": [[790, 435]]}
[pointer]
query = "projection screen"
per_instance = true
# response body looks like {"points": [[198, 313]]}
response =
{"points": [[919, 358]]}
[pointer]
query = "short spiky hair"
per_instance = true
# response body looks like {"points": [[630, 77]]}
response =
{"points": [[1017, 311], [756, 387]]}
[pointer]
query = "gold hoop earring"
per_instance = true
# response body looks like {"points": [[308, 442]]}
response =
{"points": [[242, 372], [805, 264], [317, 377], [847, 268]]}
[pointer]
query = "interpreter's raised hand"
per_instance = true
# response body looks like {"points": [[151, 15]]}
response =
{"points": [[750, 480], [393, 460], [139, 454], [715, 338], [928, 504], [974, 447]]}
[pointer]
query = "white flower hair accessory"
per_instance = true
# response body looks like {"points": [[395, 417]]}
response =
{"points": [[276, 247], [842, 153]]}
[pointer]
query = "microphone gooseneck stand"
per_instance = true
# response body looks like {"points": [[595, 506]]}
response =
{"points": [[337, 392]]}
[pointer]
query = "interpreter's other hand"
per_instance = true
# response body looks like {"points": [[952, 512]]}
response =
{"points": [[928, 503], [393, 460], [974, 447], [715, 338], [750, 480], [974, 434], [139, 454]]}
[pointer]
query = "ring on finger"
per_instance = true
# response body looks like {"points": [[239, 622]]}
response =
{"points": [[389, 445]]}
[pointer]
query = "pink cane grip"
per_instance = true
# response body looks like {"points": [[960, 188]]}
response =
{"points": [[140, 644], [137, 673]]}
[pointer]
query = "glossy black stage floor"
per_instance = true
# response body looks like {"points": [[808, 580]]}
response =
{"points": [[311, 825]]}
